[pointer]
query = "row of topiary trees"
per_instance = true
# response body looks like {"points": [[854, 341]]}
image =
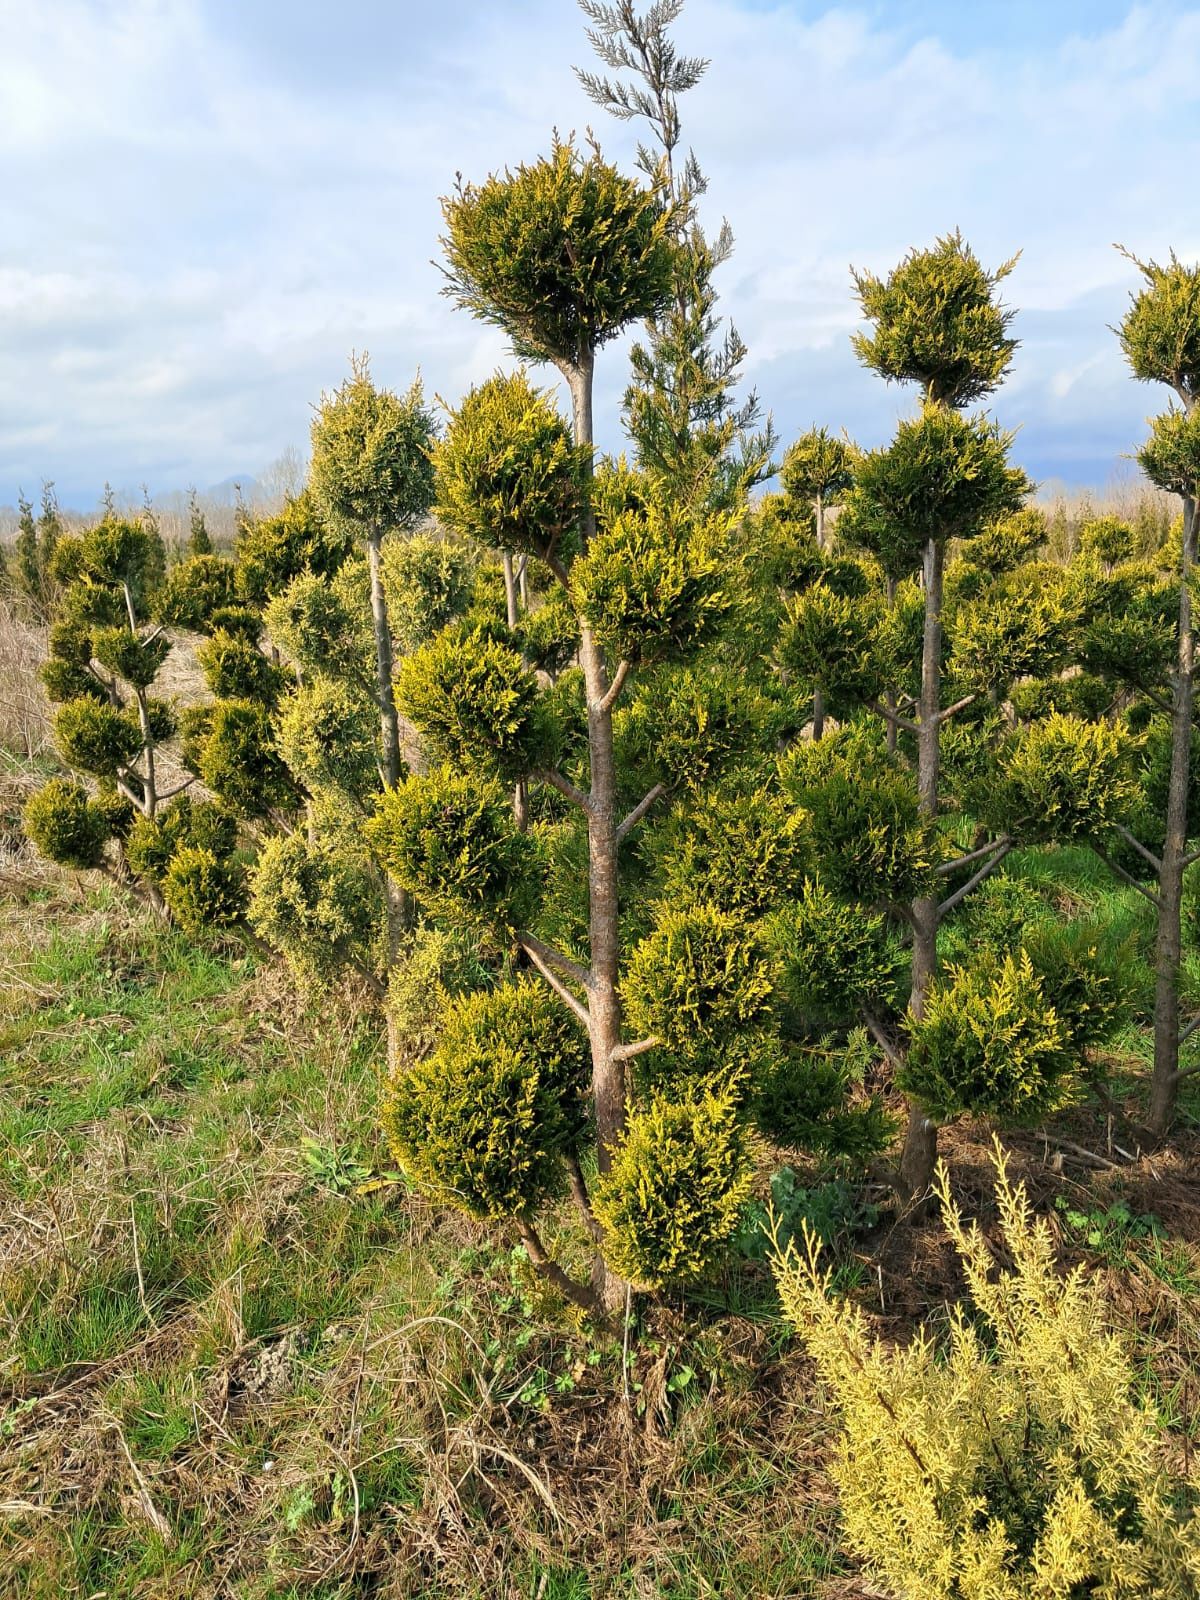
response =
{"points": [[556, 777]]}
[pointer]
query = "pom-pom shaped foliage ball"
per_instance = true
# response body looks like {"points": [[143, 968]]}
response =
{"points": [[488, 1117], [655, 584], [674, 1194], [474, 702], [508, 472], [184, 823], [989, 1043], [452, 839], [561, 254], [938, 323], [320, 905], [696, 983], [371, 468], [66, 826], [202, 891]]}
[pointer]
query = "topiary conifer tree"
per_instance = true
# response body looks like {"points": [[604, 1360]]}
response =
{"points": [[818, 468], [936, 322], [105, 655], [1160, 336], [562, 254]]}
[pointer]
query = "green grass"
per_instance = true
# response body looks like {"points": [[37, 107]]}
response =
{"points": [[231, 1364], [230, 1372]]}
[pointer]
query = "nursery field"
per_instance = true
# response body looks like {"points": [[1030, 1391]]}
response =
{"points": [[603, 1026], [240, 1357]]}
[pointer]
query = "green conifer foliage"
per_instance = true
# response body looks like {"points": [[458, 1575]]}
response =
{"points": [[475, 703], [696, 445], [561, 254], [199, 539], [104, 659], [818, 468], [427, 582], [509, 473], [990, 1043], [453, 839], [490, 1117], [1160, 337], [306, 536], [194, 590], [319, 904], [203, 890], [937, 322], [675, 1191], [1011, 1461], [66, 825]]}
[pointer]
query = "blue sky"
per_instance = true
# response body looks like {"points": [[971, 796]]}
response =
{"points": [[208, 203]]}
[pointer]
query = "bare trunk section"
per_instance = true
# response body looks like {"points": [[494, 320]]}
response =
{"points": [[893, 732], [389, 725], [604, 1003], [388, 722], [512, 614], [920, 1146], [1164, 1083], [149, 783], [510, 589]]}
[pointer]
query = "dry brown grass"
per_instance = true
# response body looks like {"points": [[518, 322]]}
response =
{"points": [[24, 711]]}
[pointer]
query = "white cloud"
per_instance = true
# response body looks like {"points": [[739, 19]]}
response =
{"points": [[208, 205]]}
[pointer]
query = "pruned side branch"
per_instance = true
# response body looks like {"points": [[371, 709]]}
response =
{"points": [[556, 780], [546, 960], [579, 1193], [579, 1294], [614, 688], [894, 717], [639, 811], [1148, 855], [1118, 871], [948, 868], [976, 878], [627, 1052], [959, 705]]}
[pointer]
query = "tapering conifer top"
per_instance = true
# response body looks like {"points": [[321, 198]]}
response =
{"points": [[561, 254], [818, 463], [1160, 334], [371, 466], [937, 322]]}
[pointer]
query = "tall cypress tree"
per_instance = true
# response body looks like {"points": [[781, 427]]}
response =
{"points": [[27, 571], [687, 429]]}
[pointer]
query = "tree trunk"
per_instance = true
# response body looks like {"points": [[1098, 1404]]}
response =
{"points": [[893, 732], [920, 1145], [818, 716], [512, 613], [604, 1003], [389, 725], [1164, 1083], [388, 721], [149, 783], [510, 589]]}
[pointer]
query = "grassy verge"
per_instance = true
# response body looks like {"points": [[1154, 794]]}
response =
{"points": [[239, 1358]]}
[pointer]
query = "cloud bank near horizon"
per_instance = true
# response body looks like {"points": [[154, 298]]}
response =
{"points": [[209, 204]]}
